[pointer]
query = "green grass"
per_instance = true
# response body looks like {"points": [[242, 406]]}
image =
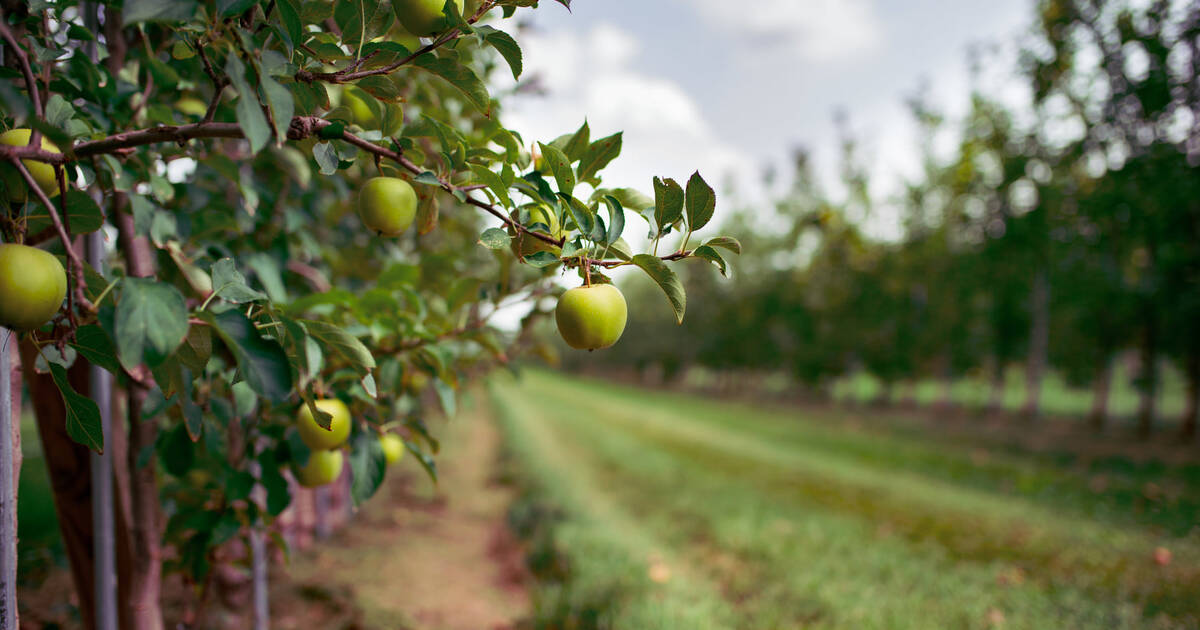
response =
{"points": [[775, 519]]}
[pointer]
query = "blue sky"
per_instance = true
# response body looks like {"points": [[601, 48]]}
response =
{"points": [[729, 87]]}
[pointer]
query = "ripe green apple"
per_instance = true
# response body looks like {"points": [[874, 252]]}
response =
{"points": [[323, 467], [42, 173], [424, 18], [315, 436], [393, 447], [387, 205], [365, 117], [524, 245], [590, 318], [32, 286]]}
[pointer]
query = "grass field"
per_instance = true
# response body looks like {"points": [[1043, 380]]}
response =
{"points": [[653, 510]]}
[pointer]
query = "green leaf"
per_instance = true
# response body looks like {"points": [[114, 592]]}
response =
{"points": [[668, 203], [151, 322], [505, 45], [580, 214], [616, 219], [598, 155], [326, 156], [338, 341], [83, 215], [701, 201], [262, 362], [230, 285], [560, 166], [367, 465], [249, 111], [158, 11], [460, 77], [279, 99], [577, 145], [728, 242], [83, 415], [230, 8], [495, 238], [493, 181], [445, 393], [541, 259], [711, 255], [289, 14], [666, 279], [94, 345]]}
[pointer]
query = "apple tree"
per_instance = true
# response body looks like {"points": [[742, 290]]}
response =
{"points": [[301, 203]]}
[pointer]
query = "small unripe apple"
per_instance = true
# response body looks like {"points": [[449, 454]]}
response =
{"points": [[424, 18], [323, 467], [387, 205], [32, 286], [365, 117], [316, 436], [590, 318], [42, 172], [526, 245], [393, 447]]}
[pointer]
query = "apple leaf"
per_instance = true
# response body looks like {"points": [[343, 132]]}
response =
{"points": [[368, 465], [598, 155], [728, 242], [151, 321], [713, 256], [230, 284], [495, 238], [249, 112], [560, 166], [262, 362], [83, 215], [460, 76], [666, 279], [668, 203], [701, 201], [338, 341], [505, 45], [83, 415]]}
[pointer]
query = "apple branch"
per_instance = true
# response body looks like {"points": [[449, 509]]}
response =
{"points": [[26, 71], [73, 260], [351, 74]]}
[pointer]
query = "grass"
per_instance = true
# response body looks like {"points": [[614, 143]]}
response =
{"points": [[645, 505]]}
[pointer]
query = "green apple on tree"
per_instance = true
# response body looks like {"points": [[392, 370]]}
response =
{"points": [[387, 205], [42, 173], [591, 317], [366, 117], [393, 447], [424, 18], [526, 245], [323, 467], [32, 286], [316, 436]]}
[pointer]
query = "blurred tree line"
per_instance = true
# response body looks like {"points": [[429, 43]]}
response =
{"points": [[1058, 234]]}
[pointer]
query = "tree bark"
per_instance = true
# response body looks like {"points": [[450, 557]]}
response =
{"points": [[1039, 343], [1191, 408], [1098, 418], [70, 474]]}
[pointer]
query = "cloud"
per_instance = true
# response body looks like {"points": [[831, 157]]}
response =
{"points": [[592, 74], [818, 30]]}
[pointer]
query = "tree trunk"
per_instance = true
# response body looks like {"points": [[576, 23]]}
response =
{"points": [[1148, 379], [1098, 418], [70, 474], [1191, 408], [1039, 343]]}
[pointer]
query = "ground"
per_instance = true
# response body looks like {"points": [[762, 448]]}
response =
{"points": [[416, 557]]}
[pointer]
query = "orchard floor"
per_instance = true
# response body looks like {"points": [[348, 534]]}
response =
{"points": [[416, 557]]}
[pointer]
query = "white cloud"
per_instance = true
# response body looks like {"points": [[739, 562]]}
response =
{"points": [[819, 30], [592, 75]]}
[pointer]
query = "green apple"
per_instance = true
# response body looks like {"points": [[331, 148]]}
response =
{"points": [[393, 447], [590, 318], [387, 205], [525, 245], [316, 436], [424, 18], [366, 118], [42, 173], [323, 467], [32, 286]]}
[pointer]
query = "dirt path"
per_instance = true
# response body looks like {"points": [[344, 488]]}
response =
{"points": [[416, 558]]}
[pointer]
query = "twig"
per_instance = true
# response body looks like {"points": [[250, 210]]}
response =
{"points": [[72, 256]]}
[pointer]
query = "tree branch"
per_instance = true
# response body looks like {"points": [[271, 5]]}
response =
{"points": [[26, 70], [73, 259]]}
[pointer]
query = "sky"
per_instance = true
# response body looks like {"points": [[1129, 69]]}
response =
{"points": [[732, 87]]}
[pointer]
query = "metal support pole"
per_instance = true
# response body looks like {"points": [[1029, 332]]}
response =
{"points": [[8, 504], [104, 541], [258, 554]]}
